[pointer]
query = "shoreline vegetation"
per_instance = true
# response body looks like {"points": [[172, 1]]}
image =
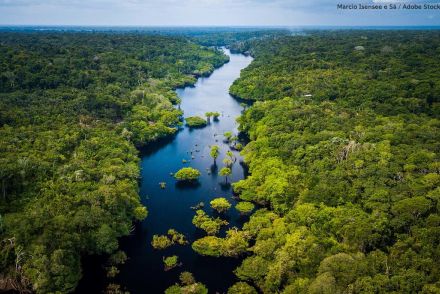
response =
{"points": [[81, 103], [344, 150]]}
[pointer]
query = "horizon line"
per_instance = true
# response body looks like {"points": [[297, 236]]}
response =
{"points": [[205, 26]]}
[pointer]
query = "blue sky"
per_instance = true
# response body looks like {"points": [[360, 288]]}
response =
{"points": [[206, 13]]}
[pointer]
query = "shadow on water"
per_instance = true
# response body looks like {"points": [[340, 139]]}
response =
{"points": [[243, 138], [245, 169], [225, 186], [150, 149], [94, 276], [187, 185], [214, 169]]}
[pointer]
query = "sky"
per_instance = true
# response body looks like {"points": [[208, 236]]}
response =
{"points": [[209, 13]]}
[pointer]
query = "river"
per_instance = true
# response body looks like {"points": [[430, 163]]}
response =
{"points": [[170, 207]]}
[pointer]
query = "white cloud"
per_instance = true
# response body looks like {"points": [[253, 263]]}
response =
{"points": [[202, 12]]}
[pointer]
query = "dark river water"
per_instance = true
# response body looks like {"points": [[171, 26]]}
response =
{"points": [[170, 207]]}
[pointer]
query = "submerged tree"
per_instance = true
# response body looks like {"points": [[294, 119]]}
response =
{"points": [[225, 172], [170, 262], [230, 154], [187, 278], [215, 151], [216, 115], [164, 241], [220, 204], [238, 146], [210, 114], [228, 162], [188, 285], [176, 237], [161, 242], [228, 135]]}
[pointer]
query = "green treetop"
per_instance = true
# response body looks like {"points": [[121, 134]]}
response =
{"points": [[187, 174], [215, 151], [195, 122], [220, 204], [245, 207], [225, 172], [188, 285], [210, 225]]}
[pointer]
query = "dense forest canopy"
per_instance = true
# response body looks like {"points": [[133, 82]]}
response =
{"points": [[343, 155], [73, 107], [345, 159], [207, 36]]}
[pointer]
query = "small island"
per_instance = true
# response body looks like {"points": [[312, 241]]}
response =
{"points": [[187, 174], [195, 122], [170, 262]]}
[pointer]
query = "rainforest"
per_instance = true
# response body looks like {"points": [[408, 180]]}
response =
{"points": [[228, 160]]}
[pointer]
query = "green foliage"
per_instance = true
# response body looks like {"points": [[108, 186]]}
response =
{"points": [[209, 246], [112, 272], [228, 135], [323, 66], [195, 122], [165, 241], [187, 174], [113, 288], [187, 278], [225, 172], [176, 237], [228, 162], [235, 244], [220, 204], [188, 285], [73, 107], [140, 213], [117, 258], [235, 38], [210, 225], [214, 152], [161, 242], [210, 114], [344, 151], [245, 207], [215, 115], [238, 146], [241, 288], [170, 262]]}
